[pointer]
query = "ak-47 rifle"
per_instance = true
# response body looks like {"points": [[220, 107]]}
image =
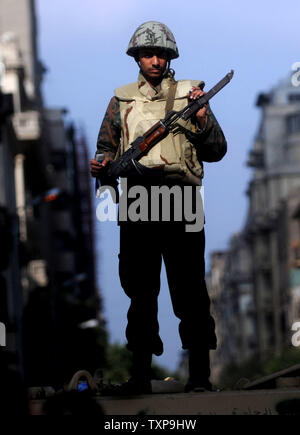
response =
{"points": [[128, 162]]}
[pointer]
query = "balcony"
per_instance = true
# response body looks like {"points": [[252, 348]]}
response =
{"points": [[256, 159], [27, 125], [259, 223]]}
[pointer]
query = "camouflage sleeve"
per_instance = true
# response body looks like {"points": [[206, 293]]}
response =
{"points": [[211, 143], [110, 131]]}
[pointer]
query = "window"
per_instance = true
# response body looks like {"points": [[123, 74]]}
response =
{"points": [[294, 98], [293, 123]]}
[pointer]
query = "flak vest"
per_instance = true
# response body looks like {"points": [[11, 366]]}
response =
{"points": [[140, 108]]}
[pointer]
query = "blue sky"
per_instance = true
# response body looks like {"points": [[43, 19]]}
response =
{"points": [[83, 46]]}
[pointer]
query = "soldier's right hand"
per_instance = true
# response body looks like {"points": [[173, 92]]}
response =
{"points": [[96, 168]]}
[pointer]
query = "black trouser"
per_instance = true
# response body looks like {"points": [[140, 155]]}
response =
{"points": [[142, 247]]}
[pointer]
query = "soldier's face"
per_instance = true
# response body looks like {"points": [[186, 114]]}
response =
{"points": [[153, 62]]}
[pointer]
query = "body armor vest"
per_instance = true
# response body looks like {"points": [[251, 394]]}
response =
{"points": [[141, 106]]}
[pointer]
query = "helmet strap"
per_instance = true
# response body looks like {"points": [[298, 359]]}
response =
{"points": [[138, 62], [166, 73], [169, 72]]}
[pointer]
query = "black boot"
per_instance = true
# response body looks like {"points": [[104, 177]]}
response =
{"points": [[140, 380], [199, 371]]}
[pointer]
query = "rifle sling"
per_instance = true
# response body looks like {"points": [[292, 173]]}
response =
{"points": [[171, 97]]}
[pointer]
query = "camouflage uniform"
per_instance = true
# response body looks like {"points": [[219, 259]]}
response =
{"points": [[142, 248]]}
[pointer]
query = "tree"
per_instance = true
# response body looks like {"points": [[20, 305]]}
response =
{"points": [[119, 363]]}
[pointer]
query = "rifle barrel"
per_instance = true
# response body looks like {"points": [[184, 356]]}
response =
{"points": [[195, 105]]}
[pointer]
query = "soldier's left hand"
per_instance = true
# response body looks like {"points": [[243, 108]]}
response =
{"points": [[194, 93]]}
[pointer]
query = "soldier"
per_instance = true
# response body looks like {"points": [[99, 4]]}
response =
{"points": [[178, 159]]}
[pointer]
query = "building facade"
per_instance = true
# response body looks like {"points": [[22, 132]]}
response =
{"points": [[48, 281], [259, 296]]}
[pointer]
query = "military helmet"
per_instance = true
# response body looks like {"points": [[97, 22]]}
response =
{"points": [[153, 34]]}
